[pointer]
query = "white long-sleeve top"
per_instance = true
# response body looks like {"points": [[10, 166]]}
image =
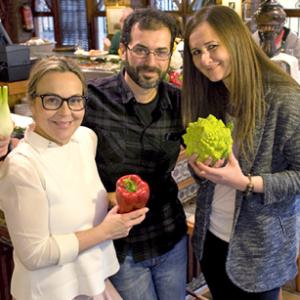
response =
{"points": [[48, 192]]}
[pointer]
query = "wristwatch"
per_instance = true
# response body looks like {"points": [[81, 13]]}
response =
{"points": [[250, 186]]}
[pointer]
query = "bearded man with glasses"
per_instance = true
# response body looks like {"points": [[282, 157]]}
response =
{"points": [[136, 116]]}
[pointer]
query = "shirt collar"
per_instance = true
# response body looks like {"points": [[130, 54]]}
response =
{"points": [[42, 144], [126, 94]]}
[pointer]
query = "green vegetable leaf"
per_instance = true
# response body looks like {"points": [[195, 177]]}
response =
{"points": [[130, 185]]}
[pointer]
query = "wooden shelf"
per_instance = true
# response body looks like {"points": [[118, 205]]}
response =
{"points": [[185, 183], [15, 87]]}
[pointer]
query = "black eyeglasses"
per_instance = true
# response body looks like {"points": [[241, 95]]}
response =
{"points": [[143, 52], [55, 102]]}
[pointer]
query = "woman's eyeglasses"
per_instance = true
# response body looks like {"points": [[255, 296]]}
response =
{"points": [[55, 102]]}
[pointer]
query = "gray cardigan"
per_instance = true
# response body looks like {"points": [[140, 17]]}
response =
{"points": [[263, 247]]}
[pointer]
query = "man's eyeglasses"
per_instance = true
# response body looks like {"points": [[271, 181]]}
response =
{"points": [[55, 102], [144, 52]]}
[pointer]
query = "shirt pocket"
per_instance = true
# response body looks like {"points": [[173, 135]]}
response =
{"points": [[262, 237]]}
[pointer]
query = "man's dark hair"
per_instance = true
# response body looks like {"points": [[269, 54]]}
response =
{"points": [[148, 19]]}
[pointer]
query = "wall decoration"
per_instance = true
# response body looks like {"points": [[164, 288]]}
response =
{"points": [[113, 15], [234, 4]]}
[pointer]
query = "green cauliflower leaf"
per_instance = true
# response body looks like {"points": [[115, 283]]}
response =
{"points": [[208, 137]]}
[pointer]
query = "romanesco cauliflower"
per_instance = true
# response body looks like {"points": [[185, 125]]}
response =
{"points": [[208, 137]]}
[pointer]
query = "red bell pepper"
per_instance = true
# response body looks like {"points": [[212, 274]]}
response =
{"points": [[132, 193], [175, 77]]}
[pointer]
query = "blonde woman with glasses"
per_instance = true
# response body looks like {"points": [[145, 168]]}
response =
{"points": [[54, 202]]}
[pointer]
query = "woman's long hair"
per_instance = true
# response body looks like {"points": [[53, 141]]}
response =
{"points": [[243, 98]]}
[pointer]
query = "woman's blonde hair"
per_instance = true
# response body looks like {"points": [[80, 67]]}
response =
{"points": [[53, 64], [250, 66]]}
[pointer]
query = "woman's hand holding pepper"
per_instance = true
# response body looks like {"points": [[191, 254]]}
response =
{"points": [[115, 225]]}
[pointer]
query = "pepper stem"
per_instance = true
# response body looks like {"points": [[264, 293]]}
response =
{"points": [[130, 185]]}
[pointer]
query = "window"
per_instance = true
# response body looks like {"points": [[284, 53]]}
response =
{"points": [[168, 5], [289, 3], [181, 9], [178, 5], [63, 21], [73, 20], [100, 30], [293, 23], [43, 22]]}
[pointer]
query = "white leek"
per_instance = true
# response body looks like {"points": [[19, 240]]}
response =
{"points": [[6, 123]]}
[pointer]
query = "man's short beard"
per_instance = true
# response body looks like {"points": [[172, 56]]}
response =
{"points": [[143, 83]]}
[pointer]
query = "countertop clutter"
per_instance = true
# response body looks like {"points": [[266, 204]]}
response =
{"points": [[92, 63]]}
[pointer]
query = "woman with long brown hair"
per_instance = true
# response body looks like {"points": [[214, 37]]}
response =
{"points": [[245, 230]]}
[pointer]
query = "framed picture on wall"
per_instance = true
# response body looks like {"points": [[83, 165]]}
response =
{"points": [[113, 15], [234, 4]]}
